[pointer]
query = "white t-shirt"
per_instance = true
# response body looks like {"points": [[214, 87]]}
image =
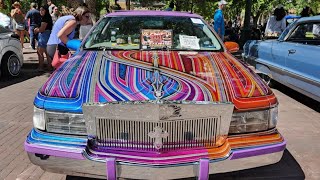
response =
{"points": [[275, 26], [316, 30], [51, 8]]}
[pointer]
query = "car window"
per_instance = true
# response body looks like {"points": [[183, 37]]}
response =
{"points": [[286, 31], [146, 32], [3, 30], [307, 33]]}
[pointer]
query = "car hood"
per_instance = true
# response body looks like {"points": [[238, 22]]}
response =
{"points": [[107, 76]]}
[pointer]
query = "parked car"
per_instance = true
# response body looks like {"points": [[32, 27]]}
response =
{"points": [[292, 59], [11, 55], [5, 21], [153, 95]]}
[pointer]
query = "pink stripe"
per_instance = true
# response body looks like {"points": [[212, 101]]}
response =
{"points": [[203, 169], [111, 168]]}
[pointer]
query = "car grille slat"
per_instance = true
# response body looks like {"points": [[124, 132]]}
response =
{"points": [[134, 135]]}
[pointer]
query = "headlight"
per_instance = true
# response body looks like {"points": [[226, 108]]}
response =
{"points": [[66, 123], [39, 121], [253, 121]]}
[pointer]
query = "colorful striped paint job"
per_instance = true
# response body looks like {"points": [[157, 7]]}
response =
{"points": [[149, 75]]}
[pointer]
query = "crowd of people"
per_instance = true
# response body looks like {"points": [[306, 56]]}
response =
{"points": [[273, 27], [48, 28]]}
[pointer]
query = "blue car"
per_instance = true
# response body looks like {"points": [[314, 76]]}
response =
{"points": [[292, 59]]}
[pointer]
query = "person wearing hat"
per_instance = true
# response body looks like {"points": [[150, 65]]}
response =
{"points": [[219, 20], [35, 19], [18, 21], [276, 23]]}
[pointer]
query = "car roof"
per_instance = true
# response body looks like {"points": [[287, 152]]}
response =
{"points": [[312, 18], [153, 13]]}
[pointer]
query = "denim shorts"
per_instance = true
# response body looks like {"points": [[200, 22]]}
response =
{"points": [[43, 38]]}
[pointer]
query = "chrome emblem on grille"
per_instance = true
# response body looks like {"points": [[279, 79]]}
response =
{"points": [[171, 111], [158, 134]]}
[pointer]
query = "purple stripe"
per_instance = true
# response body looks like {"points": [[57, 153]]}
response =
{"points": [[73, 154], [258, 151], [153, 13], [111, 168], [203, 169]]}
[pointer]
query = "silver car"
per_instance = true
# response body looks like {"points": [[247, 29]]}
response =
{"points": [[11, 55]]}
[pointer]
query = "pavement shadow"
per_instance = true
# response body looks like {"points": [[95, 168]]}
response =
{"points": [[286, 168], [311, 103], [28, 71]]}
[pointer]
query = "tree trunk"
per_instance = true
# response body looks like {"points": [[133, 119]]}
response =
{"points": [[127, 4], [255, 20], [178, 5]]}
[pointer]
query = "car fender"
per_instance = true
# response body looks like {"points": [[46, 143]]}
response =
{"points": [[11, 47]]}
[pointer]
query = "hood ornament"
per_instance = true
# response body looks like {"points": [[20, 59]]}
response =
{"points": [[158, 134]]}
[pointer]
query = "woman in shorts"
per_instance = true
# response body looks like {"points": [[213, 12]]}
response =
{"points": [[18, 21], [44, 33]]}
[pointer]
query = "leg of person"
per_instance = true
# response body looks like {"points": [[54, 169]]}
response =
{"points": [[51, 49], [42, 43], [26, 32], [41, 58], [21, 35], [32, 37], [49, 61]]}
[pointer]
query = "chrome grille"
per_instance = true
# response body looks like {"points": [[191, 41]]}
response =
{"points": [[182, 134]]}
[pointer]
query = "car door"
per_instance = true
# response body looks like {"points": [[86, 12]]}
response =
{"points": [[302, 59]]}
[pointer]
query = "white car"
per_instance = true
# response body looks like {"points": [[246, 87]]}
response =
{"points": [[4, 20], [11, 55]]}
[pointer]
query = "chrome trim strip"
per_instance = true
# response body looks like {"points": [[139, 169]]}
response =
{"points": [[144, 158], [286, 72]]}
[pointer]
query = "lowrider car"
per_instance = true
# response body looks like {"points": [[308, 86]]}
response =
{"points": [[153, 95], [11, 55], [292, 59]]}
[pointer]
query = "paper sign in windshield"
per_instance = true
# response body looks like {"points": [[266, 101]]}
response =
{"points": [[156, 38], [189, 42], [196, 21]]}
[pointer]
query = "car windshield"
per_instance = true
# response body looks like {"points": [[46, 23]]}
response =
{"points": [[152, 32], [286, 31]]}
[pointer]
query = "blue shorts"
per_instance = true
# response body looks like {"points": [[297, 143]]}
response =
{"points": [[43, 38]]}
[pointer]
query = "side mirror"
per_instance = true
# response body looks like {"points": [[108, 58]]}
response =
{"points": [[232, 47], [74, 44]]}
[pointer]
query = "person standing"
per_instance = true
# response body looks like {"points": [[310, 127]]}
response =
{"points": [[277, 23], [171, 6], [35, 20], [44, 32], [50, 6], [306, 12], [219, 19], [55, 14], [64, 29], [18, 21]]}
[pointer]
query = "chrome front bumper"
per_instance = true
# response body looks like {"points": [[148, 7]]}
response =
{"points": [[57, 154], [96, 169]]}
